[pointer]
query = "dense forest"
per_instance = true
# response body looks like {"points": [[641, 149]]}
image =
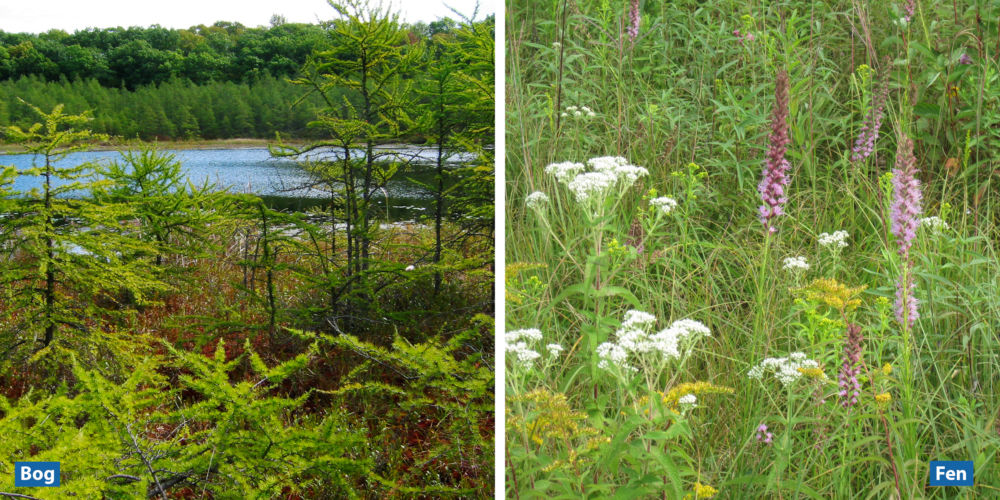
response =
{"points": [[163, 339], [206, 82]]}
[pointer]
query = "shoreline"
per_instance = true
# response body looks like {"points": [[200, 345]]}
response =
{"points": [[198, 144]]}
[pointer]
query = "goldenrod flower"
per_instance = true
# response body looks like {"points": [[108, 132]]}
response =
{"points": [[833, 293], [701, 491]]}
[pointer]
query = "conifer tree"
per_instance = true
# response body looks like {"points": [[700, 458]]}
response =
{"points": [[172, 211], [68, 251], [363, 83]]}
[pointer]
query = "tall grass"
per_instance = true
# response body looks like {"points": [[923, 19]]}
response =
{"points": [[689, 101]]}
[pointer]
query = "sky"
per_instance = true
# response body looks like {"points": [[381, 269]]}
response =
{"points": [[36, 16]]}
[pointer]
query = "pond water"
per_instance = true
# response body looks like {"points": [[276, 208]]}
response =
{"points": [[280, 180]]}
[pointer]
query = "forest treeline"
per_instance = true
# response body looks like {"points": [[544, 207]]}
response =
{"points": [[175, 109], [206, 82]]}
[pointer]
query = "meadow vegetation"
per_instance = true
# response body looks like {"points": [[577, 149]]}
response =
{"points": [[752, 248], [164, 339]]}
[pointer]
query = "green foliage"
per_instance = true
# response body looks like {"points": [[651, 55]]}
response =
{"points": [[148, 433], [173, 212], [173, 109], [437, 398], [68, 254], [689, 100]]}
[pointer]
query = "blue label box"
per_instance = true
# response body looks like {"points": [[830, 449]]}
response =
{"points": [[36, 474], [951, 473]]}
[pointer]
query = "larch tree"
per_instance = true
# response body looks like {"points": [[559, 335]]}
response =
{"points": [[365, 82], [64, 253]]}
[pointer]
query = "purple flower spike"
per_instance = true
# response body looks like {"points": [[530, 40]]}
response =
{"points": [[633, 28], [775, 176], [906, 302], [906, 197], [847, 379], [910, 7], [905, 217], [965, 59]]}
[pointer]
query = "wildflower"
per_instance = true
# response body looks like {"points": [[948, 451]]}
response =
{"points": [[836, 240], [965, 59], [883, 398], [590, 185], [549, 417], [536, 200], [673, 397], [905, 210], [610, 354], [785, 369], [633, 14], [833, 293], [663, 204], [906, 196], [554, 349], [410, 267], [635, 319], [617, 167], [812, 372], [796, 264], [634, 338], [704, 491], [864, 145], [910, 7], [533, 334], [887, 369], [564, 172], [775, 178], [763, 436], [936, 224], [688, 401], [847, 379], [525, 356]]}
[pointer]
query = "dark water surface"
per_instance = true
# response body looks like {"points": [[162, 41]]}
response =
{"points": [[281, 181]]}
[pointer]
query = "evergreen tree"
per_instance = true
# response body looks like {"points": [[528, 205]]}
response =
{"points": [[68, 250], [172, 211], [363, 83]]}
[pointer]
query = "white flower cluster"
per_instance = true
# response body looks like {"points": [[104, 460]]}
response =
{"points": [[517, 344], [606, 172], [617, 167], [836, 240], [565, 171], [635, 337], [796, 263], [578, 112], [936, 224], [536, 200], [687, 402], [554, 349], [590, 184], [664, 204], [785, 369]]}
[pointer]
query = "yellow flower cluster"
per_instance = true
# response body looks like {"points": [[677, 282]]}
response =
{"points": [[511, 273], [696, 388], [550, 417], [816, 372], [883, 398], [701, 491], [833, 293]]}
